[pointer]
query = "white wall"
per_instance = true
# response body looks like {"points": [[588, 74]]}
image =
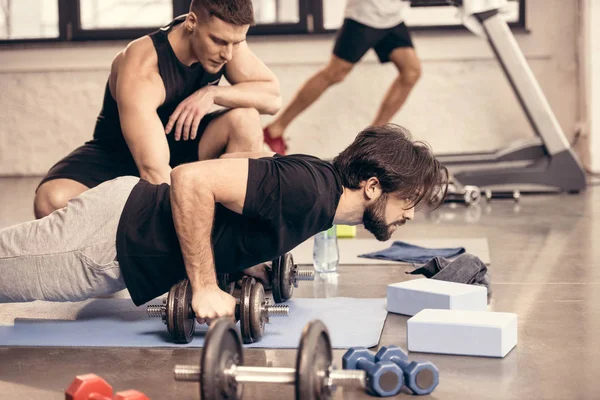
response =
{"points": [[590, 73], [51, 95]]}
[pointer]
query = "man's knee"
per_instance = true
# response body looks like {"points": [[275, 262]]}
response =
{"points": [[410, 75], [245, 123], [336, 73], [336, 70], [51, 196], [243, 116], [47, 199]]}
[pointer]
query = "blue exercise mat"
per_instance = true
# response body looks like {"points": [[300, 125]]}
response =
{"points": [[406, 252], [351, 323]]}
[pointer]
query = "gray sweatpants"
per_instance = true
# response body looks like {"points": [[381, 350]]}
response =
{"points": [[71, 254]]}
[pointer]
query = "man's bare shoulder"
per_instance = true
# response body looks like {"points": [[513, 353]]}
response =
{"points": [[139, 55], [136, 68]]}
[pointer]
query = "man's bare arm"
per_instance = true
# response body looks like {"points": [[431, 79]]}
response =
{"points": [[253, 85], [139, 93], [195, 189], [248, 154]]}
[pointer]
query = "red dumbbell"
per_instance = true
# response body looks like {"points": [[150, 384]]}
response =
{"points": [[130, 395], [92, 387]]}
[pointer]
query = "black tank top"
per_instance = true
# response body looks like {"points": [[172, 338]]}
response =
{"points": [[179, 80]]}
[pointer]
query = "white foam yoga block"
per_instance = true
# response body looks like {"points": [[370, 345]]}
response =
{"points": [[462, 332], [412, 296]]}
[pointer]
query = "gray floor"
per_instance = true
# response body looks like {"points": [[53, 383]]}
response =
{"points": [[544, 268]]}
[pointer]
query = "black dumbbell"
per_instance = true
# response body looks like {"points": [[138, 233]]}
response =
{"points": [[469, 195], [510, 194], [384, 378], [252, 310], [419, 376], [222, 373], [283, 277]]}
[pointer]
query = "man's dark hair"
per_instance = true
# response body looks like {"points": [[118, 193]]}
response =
{"points": [[405, 169], [237, 12]]}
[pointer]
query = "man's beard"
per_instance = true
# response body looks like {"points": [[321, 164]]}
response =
{"points": [[374, 220]]}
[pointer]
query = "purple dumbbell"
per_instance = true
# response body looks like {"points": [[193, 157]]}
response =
{"points": [[420, 376], [383, 378]]}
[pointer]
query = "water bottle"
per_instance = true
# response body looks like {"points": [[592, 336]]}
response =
{"points": [[326, 255], [325, 285]]}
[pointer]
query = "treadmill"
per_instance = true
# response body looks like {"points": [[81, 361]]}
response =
{"points": [[548, 160]]}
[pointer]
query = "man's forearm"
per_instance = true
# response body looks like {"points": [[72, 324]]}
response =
{"points": [[156, 175], [193, 213], [263, 96]]}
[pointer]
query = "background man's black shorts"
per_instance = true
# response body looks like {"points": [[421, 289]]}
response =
{"points": [[99, 161], [355, 39]]}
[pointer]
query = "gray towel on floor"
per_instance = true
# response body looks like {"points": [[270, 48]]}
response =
{"points": [[465, 268], [402, 251]]}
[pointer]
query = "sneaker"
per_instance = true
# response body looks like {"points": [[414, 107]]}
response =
{"points": [[276, 144]]}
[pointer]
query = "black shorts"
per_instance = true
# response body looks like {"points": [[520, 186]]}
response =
{"points": [[99, 161], [355, 39]]}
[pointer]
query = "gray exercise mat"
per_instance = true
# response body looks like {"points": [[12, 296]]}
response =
{"points": [[351, 323], [350, 249]]}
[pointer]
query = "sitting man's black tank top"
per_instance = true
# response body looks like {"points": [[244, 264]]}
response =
{"points": [[180, 81]]}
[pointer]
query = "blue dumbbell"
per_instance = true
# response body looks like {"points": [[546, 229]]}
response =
{"points": [[383, 378], [420, 376]]}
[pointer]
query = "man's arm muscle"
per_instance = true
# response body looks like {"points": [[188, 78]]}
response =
{"points": [[195, 189], [139, 92]]}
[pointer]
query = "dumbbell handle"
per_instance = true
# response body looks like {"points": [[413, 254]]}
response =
{"points": [[364, 364], [343, 378], [402, 363], [305, 274], [515, 194], [273, 310]]}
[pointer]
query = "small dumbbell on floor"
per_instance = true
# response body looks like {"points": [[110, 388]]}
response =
{"points": [[252, 310], [468, 195], [92, 387], [421, 377], [384, 378], [514, 194], [222, 373]]}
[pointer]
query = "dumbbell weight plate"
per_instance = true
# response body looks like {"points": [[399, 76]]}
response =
{"points": [[222, 349], [313, 363], [257, 303], [283, 271], [245, 309], [180, 323]]}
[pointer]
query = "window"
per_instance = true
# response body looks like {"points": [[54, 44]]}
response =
{"points": [[66, 20], [28, 19], [279, 16], [102, 14], [423, 13], [276, 11]]}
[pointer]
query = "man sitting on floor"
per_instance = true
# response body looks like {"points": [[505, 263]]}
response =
{"points": [[222, 215], [160, 89]]}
